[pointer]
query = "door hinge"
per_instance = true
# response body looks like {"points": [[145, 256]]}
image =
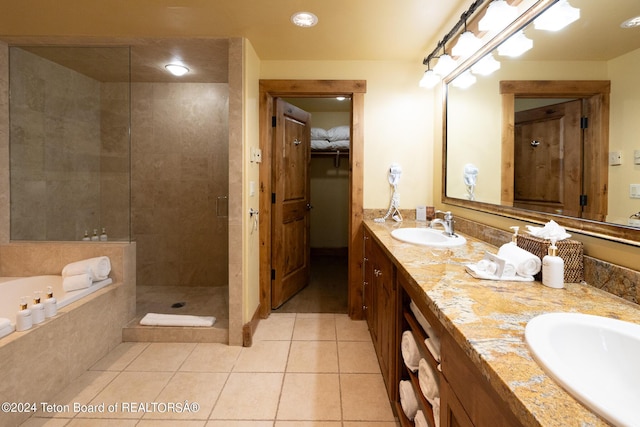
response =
{"points": [[583, 200], [584, 122], [273, 121], [273, 197], [273, 274]]}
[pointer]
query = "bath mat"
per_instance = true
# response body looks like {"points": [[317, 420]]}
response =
{"points": [[156, 319]]}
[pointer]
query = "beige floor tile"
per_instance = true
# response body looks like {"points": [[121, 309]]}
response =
{"points": [[120, 357], [96, 422], [371, 424], [137, 387], [308, 424], [47, 422], [161, 357], [310, 397], [276, 327], [263, 356], [364, 398], [357, 357], [351, 330], [228, 423], [249, 396], [315, 316], [319, 328], [81, 391], [202, 388], [211, 357], [313, 356]]}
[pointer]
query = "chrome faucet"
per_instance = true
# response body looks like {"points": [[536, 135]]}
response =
{"points": [[447, 223]]}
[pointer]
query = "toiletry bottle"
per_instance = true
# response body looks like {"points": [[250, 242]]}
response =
{"points": [[514, 238], [50, 304], [103, 236], [23, 318], [86, 236], [95, 237], [37, 309], [553, 268]]}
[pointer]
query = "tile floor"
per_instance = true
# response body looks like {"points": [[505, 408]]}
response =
{"points": [[303, 370]]}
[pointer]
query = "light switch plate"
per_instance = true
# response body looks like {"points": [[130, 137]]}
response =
{"points": [[636, 157], [634, 191]]}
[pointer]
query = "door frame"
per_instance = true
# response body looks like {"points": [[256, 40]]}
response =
{"points": [[595, 94], [355, 89]]}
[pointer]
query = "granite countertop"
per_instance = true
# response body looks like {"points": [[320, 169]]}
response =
{"points": [[487, 319]]}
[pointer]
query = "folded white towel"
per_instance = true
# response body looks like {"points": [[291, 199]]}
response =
{"points": [[79, 281], [420, 420], [509, 269], [97, 268], [436, 411], [4, 322], [410, 352], [526, 263], [421, 319], [408, 399], [429, 381], [6, 330], [156, 319], [433, 345]]}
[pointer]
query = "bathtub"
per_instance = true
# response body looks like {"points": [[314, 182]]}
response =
{"points": [[13, 288]]}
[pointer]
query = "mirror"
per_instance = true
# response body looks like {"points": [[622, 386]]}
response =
{"points": [[595, 48]]}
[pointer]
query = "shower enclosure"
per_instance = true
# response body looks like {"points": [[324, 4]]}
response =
{"points": [[105, 138]]}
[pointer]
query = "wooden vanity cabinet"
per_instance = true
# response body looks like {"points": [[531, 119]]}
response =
{"points": [[380, 308]]}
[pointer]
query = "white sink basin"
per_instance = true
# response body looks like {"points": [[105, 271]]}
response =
{"points": [[427, 237], [596, 359]]}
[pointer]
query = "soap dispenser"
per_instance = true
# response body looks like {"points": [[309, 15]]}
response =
{"points": [[50, 304], [95, 236], [23, 318], [37, 309], [86, 237], [553, 268], [103, 236], [514, 238]]}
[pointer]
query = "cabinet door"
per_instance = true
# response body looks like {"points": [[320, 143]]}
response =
{"points": [[385, 290], [368, 286], [452, 413]]}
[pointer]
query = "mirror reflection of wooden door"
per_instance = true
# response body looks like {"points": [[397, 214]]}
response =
{"points": [[290, 248], [548, 159]]}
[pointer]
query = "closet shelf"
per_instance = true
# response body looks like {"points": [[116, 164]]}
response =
{"points": [[420, 335]]}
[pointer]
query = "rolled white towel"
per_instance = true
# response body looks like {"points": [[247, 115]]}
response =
{"points": [[429, 381], [408, 399], [509, 269], [436, 411], [97, 268], [156, 319], [421, 319], [420, 420], [4, 322], [410, 352], [433, 345], [527, 264], [79, 281], [6, 330]]}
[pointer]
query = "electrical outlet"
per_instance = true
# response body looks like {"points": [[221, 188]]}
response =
{"points": [[615, 158]]}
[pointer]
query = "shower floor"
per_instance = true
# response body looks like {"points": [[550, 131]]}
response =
{"points": [[198, 301]]}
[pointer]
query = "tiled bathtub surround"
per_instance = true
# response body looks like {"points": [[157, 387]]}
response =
{"points": [[37, 363]]}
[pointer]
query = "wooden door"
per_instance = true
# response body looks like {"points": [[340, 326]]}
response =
{"points": [[548, 159], [290, 248]]}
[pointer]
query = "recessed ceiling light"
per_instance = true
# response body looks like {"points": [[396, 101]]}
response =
{"points": [[177, 69], [340, 98], [631, 23], [304, 19]]}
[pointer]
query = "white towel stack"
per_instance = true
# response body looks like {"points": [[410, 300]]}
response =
{"points": [[432, 342], [524, 262], [429, 381], [436, 411], [82, 274], [5, 327], [408, 399], [420, 420], [410, 352]]}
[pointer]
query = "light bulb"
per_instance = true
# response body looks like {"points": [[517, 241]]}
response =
{"points": [[487, 65], [445, 65], [557, 17], [515, 45], [498, 15], [464, 80], [177, 69], [429, 79], [467, 45]]}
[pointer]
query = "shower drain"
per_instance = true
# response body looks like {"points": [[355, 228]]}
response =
{"points": [[178, 304]]}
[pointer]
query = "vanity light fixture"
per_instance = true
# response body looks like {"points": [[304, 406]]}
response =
{"points": [[557, 17], [429, 79], [464, 80], [467, 45], [515, 45], [487, 65], [177, 69], [304, 19], [631, 23], [445, 65], [498, 15]]}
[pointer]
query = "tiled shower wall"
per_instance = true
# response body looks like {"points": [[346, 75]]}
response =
{"points": [[179, 167]]}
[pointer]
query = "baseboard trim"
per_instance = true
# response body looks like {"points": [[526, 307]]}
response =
{"points": [[248, 329]]}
